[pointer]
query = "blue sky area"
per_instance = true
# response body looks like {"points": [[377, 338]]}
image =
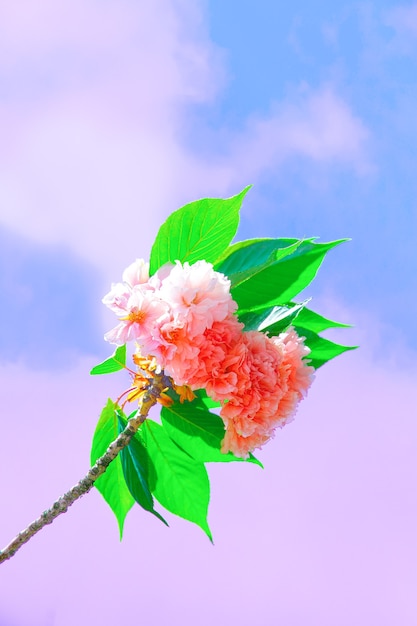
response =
{"points": [[271, 51], [51, 312]]}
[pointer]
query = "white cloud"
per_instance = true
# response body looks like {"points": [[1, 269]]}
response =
{"points": [[95, 94], [316, 124], [93, 150]]}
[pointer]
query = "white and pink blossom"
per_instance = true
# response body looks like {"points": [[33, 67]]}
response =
{"points": [[198, 296], [184, 317], [141, 317], [137, 273]]}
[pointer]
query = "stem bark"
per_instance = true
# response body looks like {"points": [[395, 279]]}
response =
{"points": [[62, 504]]}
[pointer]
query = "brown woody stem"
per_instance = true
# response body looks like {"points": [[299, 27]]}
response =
{"points": [[156, 385]]}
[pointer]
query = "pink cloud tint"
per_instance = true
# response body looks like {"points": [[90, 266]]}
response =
{"points": [[95, 100], [324, 535]]}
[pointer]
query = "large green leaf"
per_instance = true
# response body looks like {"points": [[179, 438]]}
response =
{"points": [[272, 319], [114, 364], [322, 350], [311, 320], [198, 432], [181, 483], [135, 465], [245, 258], [204, 400], [111, 484], [277, 281], [199, 230]]}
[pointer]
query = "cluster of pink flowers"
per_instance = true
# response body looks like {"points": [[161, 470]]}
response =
{"points": [[184, 317]]}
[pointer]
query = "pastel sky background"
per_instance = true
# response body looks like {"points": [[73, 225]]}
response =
{"points": [[113, 114]]}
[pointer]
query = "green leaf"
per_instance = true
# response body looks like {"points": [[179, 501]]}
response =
{"points": [[279, 280], [204, 400], [197, 431], [111, 484], [181, 483], [244, 258], [273, 319], [113, 364], [313, 321], [199, 230], [135, 465], [322, 350]]}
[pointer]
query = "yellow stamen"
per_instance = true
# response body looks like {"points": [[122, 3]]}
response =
{"points": [[146, 364], [136, 316], [165, 400], [185, 393], [136, 394]]}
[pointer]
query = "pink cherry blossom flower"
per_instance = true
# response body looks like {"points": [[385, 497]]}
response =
{"points": [[197, 295], [155, 281], [178, 354], [210, 370], [184, 317], [275, 378], [300, 374], [118, 297], [137, 273], [241, 446], [143, 316]]}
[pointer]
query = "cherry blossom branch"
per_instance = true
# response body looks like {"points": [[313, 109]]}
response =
{"points": [[156, 387]]}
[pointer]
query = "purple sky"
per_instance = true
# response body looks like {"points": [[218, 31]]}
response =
{"points": [[98, 106]]}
